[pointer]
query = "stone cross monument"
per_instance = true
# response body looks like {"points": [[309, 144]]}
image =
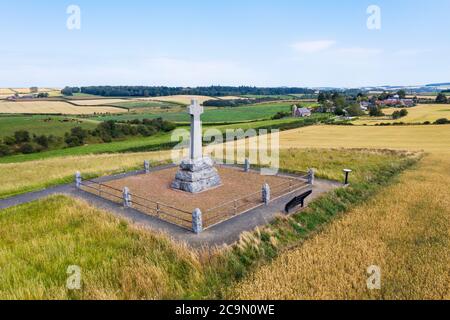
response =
{"points": [[197, 173], [196, 110]]}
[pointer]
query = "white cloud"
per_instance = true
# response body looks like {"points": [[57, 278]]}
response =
{"points": [[313, 46], [360, 51], [411, 52]]}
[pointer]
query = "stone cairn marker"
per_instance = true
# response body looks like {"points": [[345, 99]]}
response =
{"points": [[197, 173]]}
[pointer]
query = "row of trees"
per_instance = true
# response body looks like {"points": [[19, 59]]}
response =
{"points": [[143, 91], [235, 102], [441, 98], [23, 142]]}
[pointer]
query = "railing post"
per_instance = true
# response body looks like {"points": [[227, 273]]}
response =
{"points": [[126, 198], [197, 222], [78, 179], [266, 194], [235, 207], [157, 209], [311, 177], [147, 166], [247, 165]]}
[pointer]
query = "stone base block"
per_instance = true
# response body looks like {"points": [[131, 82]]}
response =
{"points": [[196, 176]]}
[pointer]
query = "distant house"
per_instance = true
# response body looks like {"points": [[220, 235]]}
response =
{"points": [[301, 112], [396, 102], [364, 105]]}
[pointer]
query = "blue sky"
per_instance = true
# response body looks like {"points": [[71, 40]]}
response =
{"points": [[246, 42]]}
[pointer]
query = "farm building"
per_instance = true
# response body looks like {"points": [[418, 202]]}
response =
{"points": [[301, 112]]}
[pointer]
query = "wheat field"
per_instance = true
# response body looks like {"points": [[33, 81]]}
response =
{"points": [[432, 138], [404, 230], [418, 114], [51, 107]]}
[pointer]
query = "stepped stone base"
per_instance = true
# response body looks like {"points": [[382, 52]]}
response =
{"points": [[196, 176]]}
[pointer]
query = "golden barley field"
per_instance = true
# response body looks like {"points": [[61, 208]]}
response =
{"points": [[51, 107], [404, 230], [418, 114], [19, 177], [433, 138]]}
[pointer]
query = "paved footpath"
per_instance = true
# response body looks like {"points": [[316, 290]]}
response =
{"points": [[224, 233]]}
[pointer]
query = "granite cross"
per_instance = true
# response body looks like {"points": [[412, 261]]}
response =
{"points": [[195, 110]]}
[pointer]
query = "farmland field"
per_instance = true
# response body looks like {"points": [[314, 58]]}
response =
{"points": [[51, 107], [433, 138], [404, 230], [180, 99], [55, 125], [418, 114], [97, 102], [212, 114]]}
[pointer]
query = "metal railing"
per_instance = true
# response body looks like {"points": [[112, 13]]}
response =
{"points": [[102, 190], [162, 211]]}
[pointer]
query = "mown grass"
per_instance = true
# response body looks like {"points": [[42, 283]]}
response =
{"points": [[404, 229], [120, 262]]}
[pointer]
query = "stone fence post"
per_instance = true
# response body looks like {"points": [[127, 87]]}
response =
{"points": [[78, 179], [126, 198], [247, 165], [197, 221], [266, 194], [147, 166], [311, 176]]}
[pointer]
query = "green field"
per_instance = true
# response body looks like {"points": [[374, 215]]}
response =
{"points": [[55, 125], [231, 114], [146, 104]]}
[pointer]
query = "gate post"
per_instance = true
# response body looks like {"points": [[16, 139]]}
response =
{"points": [[197, 221], [78, 179], [311, 176], [126, 198], [147, 166], [247, 165], [266, 194]]}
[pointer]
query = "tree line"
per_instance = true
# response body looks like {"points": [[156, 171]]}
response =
{"points": [[214, 91], [24, 142]]}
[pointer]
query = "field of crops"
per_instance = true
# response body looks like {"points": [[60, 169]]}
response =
{"points": [[97, 102], [428, 138], [231, 114], [51, 107], [404, 230], [418, 114], [180, 99], [37, 124]]}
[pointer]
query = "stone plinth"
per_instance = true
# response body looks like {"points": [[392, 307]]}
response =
{"points": [[196, 176]]}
